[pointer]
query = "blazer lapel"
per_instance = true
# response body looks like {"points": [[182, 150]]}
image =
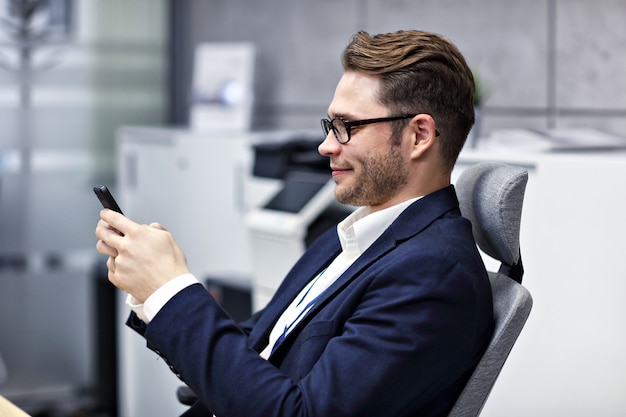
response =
{"points": [[411, 221], [317, 257]]}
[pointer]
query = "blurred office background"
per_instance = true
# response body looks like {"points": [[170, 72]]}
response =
{"points": [[90, 67]]}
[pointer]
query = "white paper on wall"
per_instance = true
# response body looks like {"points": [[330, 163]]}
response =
{"points": [[222, 88]]}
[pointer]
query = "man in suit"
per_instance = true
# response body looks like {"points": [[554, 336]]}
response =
{"points": [[385, 315]]}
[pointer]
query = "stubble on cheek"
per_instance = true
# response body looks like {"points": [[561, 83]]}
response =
{"points": [[374, 181]]}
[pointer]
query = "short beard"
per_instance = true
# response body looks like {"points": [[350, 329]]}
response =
{"points": [[382, 177]]}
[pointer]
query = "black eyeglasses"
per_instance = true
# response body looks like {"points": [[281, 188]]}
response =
{"points": [[341, 127]]}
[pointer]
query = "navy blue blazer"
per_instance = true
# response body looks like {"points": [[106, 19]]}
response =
{"points": [[397, 334]]}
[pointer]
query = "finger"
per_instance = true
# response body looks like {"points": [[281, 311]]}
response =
{"points": [[105, 249], [102, 223], [111, 264], [107, 234], [117, 221]]}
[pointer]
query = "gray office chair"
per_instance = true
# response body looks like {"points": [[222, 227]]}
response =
{"points": [[491, 196]]}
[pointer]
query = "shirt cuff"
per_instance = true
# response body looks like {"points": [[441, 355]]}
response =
{"points": [[153, 304], [136, 306]]}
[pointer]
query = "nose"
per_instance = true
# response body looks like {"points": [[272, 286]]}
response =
{"points": [[329, 145]]}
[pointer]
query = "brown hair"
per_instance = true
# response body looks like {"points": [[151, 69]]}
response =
{"points": [[420, 72]]}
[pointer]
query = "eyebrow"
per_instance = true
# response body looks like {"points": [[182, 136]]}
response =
{"points": [[342, 116]]}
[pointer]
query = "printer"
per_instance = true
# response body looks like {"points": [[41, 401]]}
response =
{"points": [[301, 209]]}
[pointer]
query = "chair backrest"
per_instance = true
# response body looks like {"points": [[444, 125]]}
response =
{"points": [[491, 196]]}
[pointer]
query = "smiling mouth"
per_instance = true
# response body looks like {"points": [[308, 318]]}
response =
{"points": [[338, 171]]}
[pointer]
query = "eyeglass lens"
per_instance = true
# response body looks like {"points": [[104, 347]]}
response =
{"points": [[338, 128]]}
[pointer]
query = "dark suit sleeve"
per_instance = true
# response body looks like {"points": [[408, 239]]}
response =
{"points": [[249, 324]]}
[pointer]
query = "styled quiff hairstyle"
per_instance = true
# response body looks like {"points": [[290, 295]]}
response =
{"points": [[420, 72]]}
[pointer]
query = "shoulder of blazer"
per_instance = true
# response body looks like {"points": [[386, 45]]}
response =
{"points": [[424, 211]]}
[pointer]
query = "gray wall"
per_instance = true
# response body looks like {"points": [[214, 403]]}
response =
{"points": [[545, 63]]}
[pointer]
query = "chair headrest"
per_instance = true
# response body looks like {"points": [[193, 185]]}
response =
{"points": [[491, 196]]}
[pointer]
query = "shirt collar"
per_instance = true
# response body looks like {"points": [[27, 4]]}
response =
{"points": [[361, 228]]}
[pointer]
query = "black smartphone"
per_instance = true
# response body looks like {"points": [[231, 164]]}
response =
{"points": [[106, 198]]}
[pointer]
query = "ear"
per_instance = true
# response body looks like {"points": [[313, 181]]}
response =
{"points": [[423, 134]]}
